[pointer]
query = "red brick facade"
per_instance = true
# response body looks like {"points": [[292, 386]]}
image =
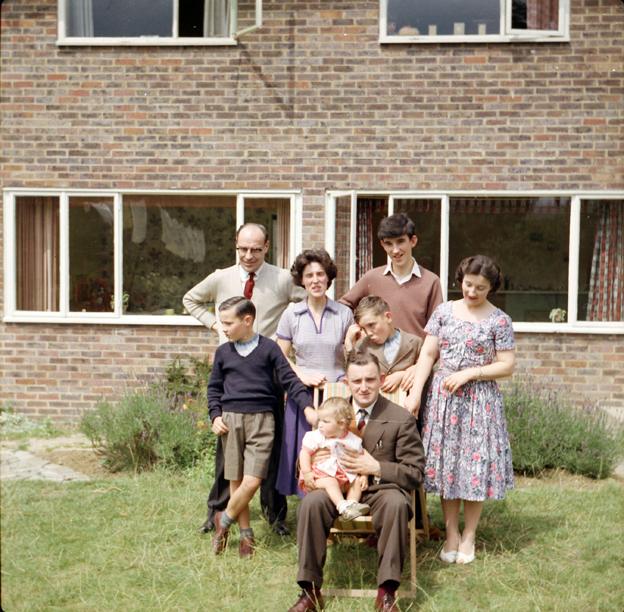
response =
{"points": [[310, 102]]}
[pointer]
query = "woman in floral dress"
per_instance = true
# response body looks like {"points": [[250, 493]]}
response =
{"points": [[465, 433]]}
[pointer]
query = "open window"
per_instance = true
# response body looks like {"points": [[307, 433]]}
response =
{"points": [[156, 22], [422, 21]]}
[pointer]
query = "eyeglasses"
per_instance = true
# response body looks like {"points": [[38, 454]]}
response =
{"points": [[252, 250]]}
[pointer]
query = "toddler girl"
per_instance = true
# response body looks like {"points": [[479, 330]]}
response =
{"points": [[335, 415]]}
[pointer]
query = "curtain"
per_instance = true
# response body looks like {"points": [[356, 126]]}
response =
{"points": [[281, 233], [79, 17], [542, 14], [216, 18], [606, 281], [364, 237], [37, 262]]}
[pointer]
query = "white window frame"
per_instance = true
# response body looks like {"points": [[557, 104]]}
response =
{"points": [[117, 317], [571, 325], [174, 40], [506, 33]]}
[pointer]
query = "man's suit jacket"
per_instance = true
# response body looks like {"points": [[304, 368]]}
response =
{"points": [[409, 348], [391, 437], [273, 291]]}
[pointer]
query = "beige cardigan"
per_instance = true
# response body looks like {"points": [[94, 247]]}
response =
{"points": [[273, 291]]}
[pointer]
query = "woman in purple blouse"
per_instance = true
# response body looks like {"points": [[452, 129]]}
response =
{"points": [[314, 330]]}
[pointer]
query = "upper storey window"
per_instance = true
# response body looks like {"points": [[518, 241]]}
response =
{"points": [[426, 21], [156, 22]]}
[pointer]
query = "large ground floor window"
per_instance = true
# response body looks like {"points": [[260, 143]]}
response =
{"points": [[558, 252], [131, 256]]}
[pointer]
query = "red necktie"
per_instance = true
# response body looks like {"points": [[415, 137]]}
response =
{"points": [[249, 286], [362, 419]]}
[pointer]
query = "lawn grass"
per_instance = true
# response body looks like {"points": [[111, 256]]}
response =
{"points": [[131, 543]]}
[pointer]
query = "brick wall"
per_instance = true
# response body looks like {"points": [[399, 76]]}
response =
{"points": [[312, 102]]}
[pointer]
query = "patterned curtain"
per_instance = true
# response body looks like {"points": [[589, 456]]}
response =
{"points": [[364, 237], [606, 282], [37, 261]]}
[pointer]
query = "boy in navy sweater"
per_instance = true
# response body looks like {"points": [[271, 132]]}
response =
{"points": [[242, 398]]}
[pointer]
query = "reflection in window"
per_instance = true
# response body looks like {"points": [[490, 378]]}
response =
{"points": [[528, 237], [426, 216], [121, 18], [169, 244], [91, 268], [274, 214], [37, 253], [443, 17], [601, 261]]}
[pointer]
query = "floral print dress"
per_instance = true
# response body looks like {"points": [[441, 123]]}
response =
{"points": [[465, 433]]}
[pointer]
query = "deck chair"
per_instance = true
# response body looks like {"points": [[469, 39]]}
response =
{"points": [[362, 527]]}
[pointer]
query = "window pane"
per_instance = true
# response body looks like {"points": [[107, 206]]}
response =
{"points": [[119, 18], [426, 215], [37, 253], [91, 270], [368, 250], [170, 243], [528, 237], [343, 244], [601, 261], [535, 14], [274, 214], [443, 17]]}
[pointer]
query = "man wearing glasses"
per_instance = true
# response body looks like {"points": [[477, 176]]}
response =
{"points": [[271, 289]]}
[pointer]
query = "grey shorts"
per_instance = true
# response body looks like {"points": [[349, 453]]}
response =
{"points": [[247, 446]]}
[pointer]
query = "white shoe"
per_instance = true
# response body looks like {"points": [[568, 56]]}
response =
{"points": [[465, 558], [354, 510], [448, 557]]}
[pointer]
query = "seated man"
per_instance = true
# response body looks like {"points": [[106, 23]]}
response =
{"points": [[393, 459]]}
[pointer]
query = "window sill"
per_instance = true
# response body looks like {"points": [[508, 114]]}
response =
{"points": [[144, 41], [98, 319], [476, 38]]}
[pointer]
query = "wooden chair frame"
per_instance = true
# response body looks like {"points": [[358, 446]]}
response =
{"points": [[363, 526]]}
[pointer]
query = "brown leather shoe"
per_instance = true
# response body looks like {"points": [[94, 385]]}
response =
{"points": [[220, 538], [246, 547], [385, 602], [309, 601]]}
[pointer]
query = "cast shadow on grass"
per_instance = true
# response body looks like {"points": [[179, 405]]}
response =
{"points": [[502, 532]]}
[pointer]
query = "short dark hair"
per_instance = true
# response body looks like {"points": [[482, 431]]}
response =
{"points": [[361, 358], [241, 305], [373, 304], [395, 226], [481, 265], [256, 225], [320, 256]]}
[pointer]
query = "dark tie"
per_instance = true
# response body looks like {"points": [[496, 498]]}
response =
{"points": [[249, 286], [361, 419]]}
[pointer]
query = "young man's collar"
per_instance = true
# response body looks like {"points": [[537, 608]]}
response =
{"points": [[415, 271]]}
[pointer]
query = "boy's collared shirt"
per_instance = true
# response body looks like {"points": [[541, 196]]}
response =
{"points": [[401, 280], [244, 348], [391, 346]]}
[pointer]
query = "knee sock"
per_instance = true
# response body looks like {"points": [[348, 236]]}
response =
{"points": [[226, 521], [247, 533]]}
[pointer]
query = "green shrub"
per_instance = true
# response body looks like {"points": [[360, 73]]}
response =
{"points": [[166, 424], [141, 431], [546, 432]]}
